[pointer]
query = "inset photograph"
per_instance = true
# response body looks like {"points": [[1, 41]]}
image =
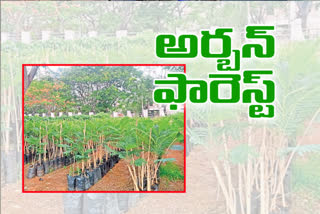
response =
{"points": [[95, 128]]}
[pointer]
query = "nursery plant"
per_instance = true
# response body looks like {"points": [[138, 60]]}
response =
{"points": [[94, 144], [142, 144]]}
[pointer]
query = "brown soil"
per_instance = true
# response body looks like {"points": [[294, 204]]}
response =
{"points": [[167, 185], [54, 181], [304, 202]]}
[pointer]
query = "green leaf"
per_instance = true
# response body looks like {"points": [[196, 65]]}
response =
{"points": [[165, 160], [242, 153], [140, 162]]}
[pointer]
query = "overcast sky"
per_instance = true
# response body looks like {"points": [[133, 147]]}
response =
{"points": [[153, 71]]}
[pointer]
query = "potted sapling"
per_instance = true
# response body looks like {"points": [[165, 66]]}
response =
{"points": [[32, 141], [32, 131], [67, 151], [91, 166], [54, 132], [45, 152], [60, 158], [82, 181], [93, 139], [40, 152], [73, 173], [164, 137], [144, 152]]}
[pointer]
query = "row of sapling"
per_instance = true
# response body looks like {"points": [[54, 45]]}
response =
{"points": [[93, 160], [95, 144], [56, 141], [143, 143], [44, 146]]}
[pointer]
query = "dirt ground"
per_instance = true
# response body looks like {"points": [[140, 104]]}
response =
{"points": [[54, 181], [15, 202]]}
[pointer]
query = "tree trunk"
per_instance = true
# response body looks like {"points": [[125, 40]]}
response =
{"points": [[303, 13], [29, 77]]}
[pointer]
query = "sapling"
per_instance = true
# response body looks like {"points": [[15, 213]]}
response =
{"points": [[39, 147], [83, 147], [61, 142], [144, 151], [45, 141]]}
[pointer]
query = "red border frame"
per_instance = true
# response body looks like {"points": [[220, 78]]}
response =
{"points": [[24, 191]]}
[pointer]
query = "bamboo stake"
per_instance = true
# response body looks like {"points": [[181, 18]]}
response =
{"points": [[263, 199], [40, 146], [142, 168], [84, 137], [159, 163], [282, 175], [61, 152], [133, 179], [148, 167], [240, 190], [248, 177], [223, 187], [227, 170]]}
